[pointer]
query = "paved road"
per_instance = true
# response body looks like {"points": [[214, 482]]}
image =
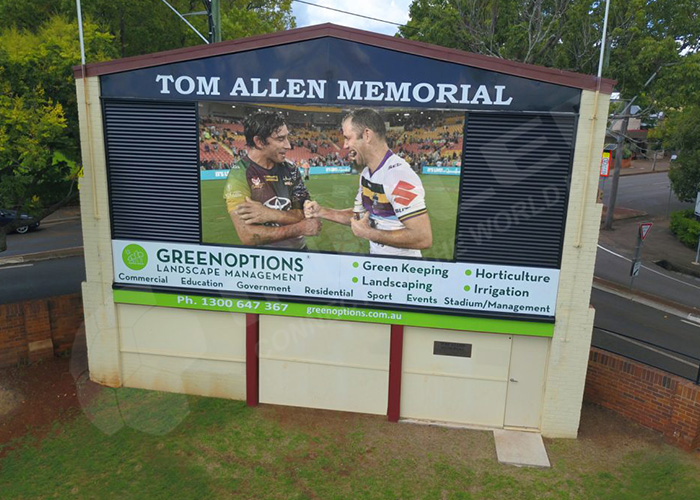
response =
{"points": [[639, 322], [48, 236], [677, 287], [41, 279], [650, 193], [647, 192]]}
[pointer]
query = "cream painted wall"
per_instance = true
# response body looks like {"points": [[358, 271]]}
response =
{"points": [[177, 350], [101, 325], [335, 365], [568, 360], [454, 389]]}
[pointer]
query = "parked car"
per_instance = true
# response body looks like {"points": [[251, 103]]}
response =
{"points": [[8, 216]]}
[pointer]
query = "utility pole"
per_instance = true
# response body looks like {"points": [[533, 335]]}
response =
{"points": [[618, 151], [214, 16], [618, 166]]}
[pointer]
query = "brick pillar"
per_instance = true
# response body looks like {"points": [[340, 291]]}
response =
{"points": [[37, 325], [13, 341]]}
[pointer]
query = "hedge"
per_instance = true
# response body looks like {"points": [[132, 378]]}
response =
{"points": [[686, 227]]}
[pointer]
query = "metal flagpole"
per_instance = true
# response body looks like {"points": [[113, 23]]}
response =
{"points": [[594, 118], [88, 128], [602, 42], [80, 33]]}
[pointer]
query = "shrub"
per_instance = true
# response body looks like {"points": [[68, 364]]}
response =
{"points": [[685, 227]]}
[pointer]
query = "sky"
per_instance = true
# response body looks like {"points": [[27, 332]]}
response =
{"points": [[393, 10]]}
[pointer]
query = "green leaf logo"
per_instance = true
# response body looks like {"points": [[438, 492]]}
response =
{"points": [[135, 257]]}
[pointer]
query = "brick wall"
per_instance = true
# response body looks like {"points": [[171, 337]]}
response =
{"points": [[38, 329], [646, 395]]}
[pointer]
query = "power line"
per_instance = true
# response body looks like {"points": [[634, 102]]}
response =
{"points": [[185, 20], [350, 13]]}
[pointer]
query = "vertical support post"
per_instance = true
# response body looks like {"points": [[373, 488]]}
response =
{"points": [[635, 259], [216, 16], [252, 362], [395, 361]]}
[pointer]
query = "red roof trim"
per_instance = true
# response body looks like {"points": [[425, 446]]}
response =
{"points": [[539, 73]]}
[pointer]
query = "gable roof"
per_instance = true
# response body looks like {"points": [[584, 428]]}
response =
{"points": [[539, 73]]}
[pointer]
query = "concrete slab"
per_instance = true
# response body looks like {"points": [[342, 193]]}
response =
{"points": [[520, 448]]}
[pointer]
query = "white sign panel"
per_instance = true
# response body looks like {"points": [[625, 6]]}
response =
{"points": [[418, 284]]}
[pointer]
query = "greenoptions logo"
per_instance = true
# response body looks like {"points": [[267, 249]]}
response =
{"points": [[135, 257]]}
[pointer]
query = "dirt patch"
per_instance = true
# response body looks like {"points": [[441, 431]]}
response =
{"points": [[33, 397]]}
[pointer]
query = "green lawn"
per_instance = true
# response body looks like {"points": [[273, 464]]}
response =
{"points": [[140, 444], [338, 191]]}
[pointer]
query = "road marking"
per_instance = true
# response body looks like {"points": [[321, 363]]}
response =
{"points": [[15, 267], [690, 323], [648, 347], [615, 254], [648, 268]]}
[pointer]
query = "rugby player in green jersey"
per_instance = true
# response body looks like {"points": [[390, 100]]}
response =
{"points": [[265, 193]]}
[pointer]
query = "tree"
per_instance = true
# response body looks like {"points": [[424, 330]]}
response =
{"points": [[45, 60], [29, 16], [39, 146], [643, 35], [39, 135], [31, 134], [241, 18], [149, 26], [680, 132], [521, 30]]}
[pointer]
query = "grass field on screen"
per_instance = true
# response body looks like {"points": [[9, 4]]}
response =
{"points": [[338, 191]]}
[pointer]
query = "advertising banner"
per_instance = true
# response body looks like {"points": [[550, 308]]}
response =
{"points": [[449, 287], [213, 175], [441, 170], [340, 169], [342, 313]]}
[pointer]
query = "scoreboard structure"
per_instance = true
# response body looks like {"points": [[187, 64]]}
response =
{"points": [[491, 326]]}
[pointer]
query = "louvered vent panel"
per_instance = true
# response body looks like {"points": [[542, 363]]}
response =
{"points": [[514, 189], [153, 175]]}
